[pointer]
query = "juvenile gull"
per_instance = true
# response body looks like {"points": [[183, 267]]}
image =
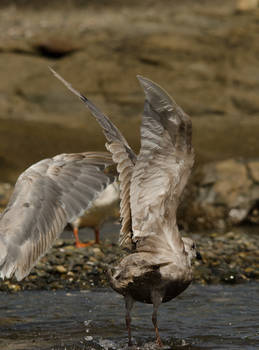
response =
{"points": [[104, 208], [47, 196], [157, 267]]}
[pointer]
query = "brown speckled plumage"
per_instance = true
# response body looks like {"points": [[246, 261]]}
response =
{"points": [[158, 265]]}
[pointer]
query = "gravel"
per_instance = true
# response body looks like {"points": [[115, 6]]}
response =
{"points": [[227, 258]]}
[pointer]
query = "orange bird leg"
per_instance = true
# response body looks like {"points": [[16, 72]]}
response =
{"points": [[78, 243]]}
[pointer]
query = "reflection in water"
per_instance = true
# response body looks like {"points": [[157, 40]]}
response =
{"points": [[203, 317]]}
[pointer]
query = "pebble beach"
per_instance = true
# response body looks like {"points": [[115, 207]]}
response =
{"points": [[227, 258]]}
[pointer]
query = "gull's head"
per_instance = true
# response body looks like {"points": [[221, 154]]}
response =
{"points": [[190, 249]]}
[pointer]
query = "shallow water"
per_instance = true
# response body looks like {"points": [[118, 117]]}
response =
{"points": [[203, 317]]}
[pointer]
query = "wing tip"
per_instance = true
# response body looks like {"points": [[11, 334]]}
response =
{"points": [[69, 86], [159, 98], [55, 73], [156, 95]]}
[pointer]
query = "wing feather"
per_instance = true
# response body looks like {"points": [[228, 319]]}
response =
{"points": [[151, 185], [162, 168], [46, 197], [122, 155]]}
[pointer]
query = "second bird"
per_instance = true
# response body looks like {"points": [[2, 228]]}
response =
{"points": [[105, 208]]}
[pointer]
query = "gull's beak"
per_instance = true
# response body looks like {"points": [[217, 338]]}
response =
{"points": [[198, 256]]}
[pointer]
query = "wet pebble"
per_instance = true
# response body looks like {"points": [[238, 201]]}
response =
{"points": [[61, 269]]}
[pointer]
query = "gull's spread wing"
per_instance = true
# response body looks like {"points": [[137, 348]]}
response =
{"points": [[162, 168], [151, 185], [47, 196], [122, 155]]}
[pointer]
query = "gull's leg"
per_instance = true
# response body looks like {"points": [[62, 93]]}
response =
{"points": [[78, 243], [129, 302], [157, 300], [97, 235]]}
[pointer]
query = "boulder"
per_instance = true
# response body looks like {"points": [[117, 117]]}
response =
{"points": [[224, 193]]}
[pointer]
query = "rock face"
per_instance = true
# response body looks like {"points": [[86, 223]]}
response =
{"points": [[246, 5], [203, 52], [226, 194]]}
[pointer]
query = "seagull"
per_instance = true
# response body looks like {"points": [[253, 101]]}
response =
{"points": [[158, 263], [47, 196], [103, 209]]}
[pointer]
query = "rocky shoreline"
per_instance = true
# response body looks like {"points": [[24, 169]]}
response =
{"points": [[227, 258], [204, 53]]}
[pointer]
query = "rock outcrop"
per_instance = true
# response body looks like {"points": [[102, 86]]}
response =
{"points": [[203, 52], [223, 194]]}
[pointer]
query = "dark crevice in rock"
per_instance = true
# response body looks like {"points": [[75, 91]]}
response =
{"points": [[149, 61], [53, 52]]}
